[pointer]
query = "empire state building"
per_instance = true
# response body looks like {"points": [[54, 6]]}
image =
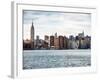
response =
{"points": [[32, 36]]}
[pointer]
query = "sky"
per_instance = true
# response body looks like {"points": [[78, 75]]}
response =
{"points": [[50, 22]]}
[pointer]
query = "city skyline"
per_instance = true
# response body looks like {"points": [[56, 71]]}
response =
{"points": [[48, 23], [56, 42]]}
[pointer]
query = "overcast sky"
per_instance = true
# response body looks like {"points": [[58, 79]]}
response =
{"points": [[48, 23]]}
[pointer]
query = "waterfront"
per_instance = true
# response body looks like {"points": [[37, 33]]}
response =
{"points": [[37, 59]]}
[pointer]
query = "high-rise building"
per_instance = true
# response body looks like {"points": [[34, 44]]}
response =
{"points": [[73, 42], [61, 42], [82, 42], [71, 37], [32, 36], [65, 42], [46, 38], [77, 41], [37, 42], [51, 41], [88, 40], [56, 43], [37, 37], [45, 45]]}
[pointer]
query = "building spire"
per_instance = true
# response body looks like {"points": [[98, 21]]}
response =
{"points": [[32, 25]]}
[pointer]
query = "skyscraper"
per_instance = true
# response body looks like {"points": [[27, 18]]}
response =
{"points": [[47, 40], [56, 41], [51, 41], [65, 42], [61, 42], [37, 42], [46, 37], [32, 36]]}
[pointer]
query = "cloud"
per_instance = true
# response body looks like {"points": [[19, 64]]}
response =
{"points": [[47, 23]]}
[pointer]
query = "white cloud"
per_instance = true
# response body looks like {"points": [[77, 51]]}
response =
{"points": [[47, 23]]}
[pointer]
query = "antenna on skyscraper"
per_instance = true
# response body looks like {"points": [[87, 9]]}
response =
{"points": [[32, 21]]}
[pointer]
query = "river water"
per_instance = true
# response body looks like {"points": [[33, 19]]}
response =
{"points": [[38, 59]]}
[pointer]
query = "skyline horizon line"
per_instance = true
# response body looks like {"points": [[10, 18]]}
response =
{"points": [[54, 35]]}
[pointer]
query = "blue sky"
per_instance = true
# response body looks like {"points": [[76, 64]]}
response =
{"points": [[48, 23]]}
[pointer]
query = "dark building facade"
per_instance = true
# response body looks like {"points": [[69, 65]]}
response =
{"points": [[51, 41], [45, 45], [26, 45], [61, 42], [65, 43]]}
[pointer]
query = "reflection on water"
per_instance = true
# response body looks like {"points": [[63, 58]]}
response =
{"points": [[37, 59]]}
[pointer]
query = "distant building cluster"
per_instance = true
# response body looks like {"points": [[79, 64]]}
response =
{"points": [[57, 42]]}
